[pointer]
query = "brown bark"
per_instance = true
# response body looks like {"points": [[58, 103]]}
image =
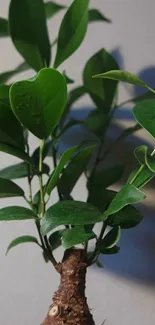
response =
{"points": [[69, 302]]}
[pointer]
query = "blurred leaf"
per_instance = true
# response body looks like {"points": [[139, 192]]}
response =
{"points": [[96, 15], [29, 32], [66, 156], [128, 217], [11, 131], [5, 76], [15, 152], [52, 8], [68, 125], [105, 177], [128, 194], [55, 239], [100, 197], [74, 169], [110, 251], [74, 213], [111, 239], [9, 189], [144, 113], [99, 264], [75, 236], [101, 91], [72, 30], [96, 122], [4, 28], [22, 240], [13, 213], [68, 79], [38, 103], [121, 75], [20, 171], [4, 92]]}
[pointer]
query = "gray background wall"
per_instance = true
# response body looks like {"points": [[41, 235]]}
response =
{"points": [[123, 292]]}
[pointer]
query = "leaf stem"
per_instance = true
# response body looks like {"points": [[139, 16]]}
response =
{"points": [[41, 177], [96, 252]]}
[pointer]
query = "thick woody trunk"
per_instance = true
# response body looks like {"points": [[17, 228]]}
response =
{"points": [[69, 302]]}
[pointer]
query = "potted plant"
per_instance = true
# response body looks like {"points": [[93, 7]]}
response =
{"points": [[41, 105]]}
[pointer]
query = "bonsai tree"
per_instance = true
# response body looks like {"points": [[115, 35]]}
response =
{"points": [[41, 105]]}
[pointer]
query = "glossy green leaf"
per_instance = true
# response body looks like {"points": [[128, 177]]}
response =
{"points": [[72, 30], [55, 239], [29, 32], [4, 92], [9, 189], [111, 238], [125, 76], [101, 91], [66, 156], [144, 113], [96, 15], [74, 170], [15, 152], [128, 217], [22, 240], [128, 194], [4, 28], [38, 103], [13, 213], [20, 171], [11, 131], [105, 177], [110, 251], [74, 213], [100, 197], [145, 158], [142, 178], [5, 76], [75, 236], [52, 8]]}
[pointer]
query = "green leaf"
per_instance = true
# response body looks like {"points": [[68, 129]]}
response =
{"points": [[72, 30], [142, 178], [4, 28], [4, 92], [74, 213], [67, 155], [22, 240], [100, 197], [13, 213], [109, 251], [111, 239], [20, 171], [121, 75], [5, 76], [96, 15], [101, 91], [55, 239], [105, 177], [144, 113], [11, 131], [28, 31], [38, 103], [52, 8], [15, 152], [75, 236], [99, 264], [128, 217], [9, 189], [74, 169], [128, 194], [145, 158]]}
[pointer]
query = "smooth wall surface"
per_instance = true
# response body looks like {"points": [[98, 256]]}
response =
{"points": [[123, 293]]}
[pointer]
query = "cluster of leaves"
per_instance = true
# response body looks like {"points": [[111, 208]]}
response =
{"points": [[41, 105]]}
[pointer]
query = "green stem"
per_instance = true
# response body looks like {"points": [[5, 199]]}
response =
{"points": [[96, 252], [97, 160], [41, 177], [137, 174]]}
